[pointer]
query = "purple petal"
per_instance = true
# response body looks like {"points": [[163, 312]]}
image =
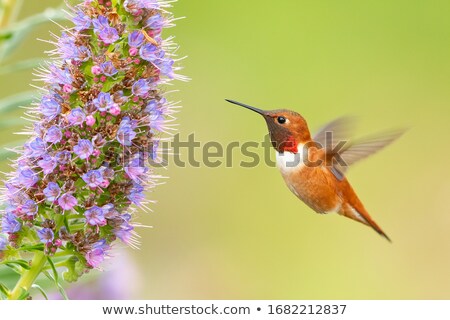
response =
{"points": [[67, 201], [148, 52]]}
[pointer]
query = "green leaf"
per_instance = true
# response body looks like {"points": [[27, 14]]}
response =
{"points": [[56, 279], [36, 286], [35, 247], [24, 294], [80, 183], [13, 36], [8, 277], [111, 82], [20, 262], [66, 223], [62, 292], [4, 289], [58, 285], [87, 69], [20, 99], [14, 268], [52, 265], [6, 36], [74, 270]]}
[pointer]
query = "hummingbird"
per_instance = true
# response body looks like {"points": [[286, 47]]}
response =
{"points": [[314, 168]]}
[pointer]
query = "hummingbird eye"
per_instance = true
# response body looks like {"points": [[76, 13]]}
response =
{"points": [[281, 120]]}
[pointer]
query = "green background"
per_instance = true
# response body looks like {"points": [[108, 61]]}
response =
{"points": [[238, 233]]}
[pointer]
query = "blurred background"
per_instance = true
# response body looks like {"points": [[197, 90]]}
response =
{"points": [[239, 233]]}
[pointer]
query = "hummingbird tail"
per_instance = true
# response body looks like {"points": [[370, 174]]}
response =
{"points": [[358, 213]]}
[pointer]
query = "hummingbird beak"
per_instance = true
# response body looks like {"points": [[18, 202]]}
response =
{"points": [[261, 112]]}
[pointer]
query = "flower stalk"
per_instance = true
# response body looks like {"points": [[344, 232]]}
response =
{"points": [[29, 277]]}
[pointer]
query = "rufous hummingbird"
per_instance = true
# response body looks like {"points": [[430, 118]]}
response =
{"points": [[314, 167]]}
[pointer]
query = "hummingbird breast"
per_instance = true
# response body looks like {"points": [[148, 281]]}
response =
{"points": [[313, 184]]}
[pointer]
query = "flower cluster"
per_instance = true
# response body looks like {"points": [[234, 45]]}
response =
{"points": [[94, 130]]}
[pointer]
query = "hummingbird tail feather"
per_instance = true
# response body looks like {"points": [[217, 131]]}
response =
{"points": [[358, 213]]}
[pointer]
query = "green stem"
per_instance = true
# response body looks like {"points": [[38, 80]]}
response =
{"points": [[57, 265], [28, 277], [63, 253]]}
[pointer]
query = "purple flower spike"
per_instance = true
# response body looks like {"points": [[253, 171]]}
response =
{"points": [[107, 68], [59, 76], [46, 235], [93, 178], [108, 35], [50, 107], [155, 22], [100, 23], [90, 120], [124, 232], [136, 198], [83, 54], [83, 149], [149, 52], [3, 242], [16, 196], [103, 101], [115, 110], [133, 51], [48, 164], [87, 152], [10, 223], [35, 148], [135, 6], [30, 208], [52, 191], [82, 21], [151, 106], [157, 120], [76, 117], [97, 254], [53, 135], [136, 168], [27, 177], [126, 132], [67, 48], [95, 216], [67, 201], [109, 211], [140, 88], [166, 67], [63, 157], [135, 39], [96, 70]]}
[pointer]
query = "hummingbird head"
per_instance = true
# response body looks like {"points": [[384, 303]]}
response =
{"points": [[286, 128]]}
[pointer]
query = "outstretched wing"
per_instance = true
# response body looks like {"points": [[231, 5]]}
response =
{"points": [[360, 149], [341, 151], [340, 129]]}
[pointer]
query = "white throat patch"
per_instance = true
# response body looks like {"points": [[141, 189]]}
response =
{"points": [[289, 161]]}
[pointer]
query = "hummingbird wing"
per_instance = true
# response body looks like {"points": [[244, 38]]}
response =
{"points": [[356, 150], [332, 133], [341, 151]]}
